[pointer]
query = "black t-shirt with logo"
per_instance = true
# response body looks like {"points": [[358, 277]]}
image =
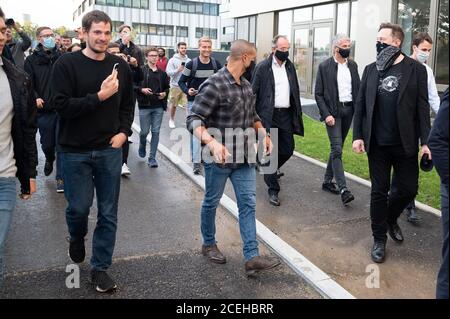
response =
{"points": [[386, 120]]}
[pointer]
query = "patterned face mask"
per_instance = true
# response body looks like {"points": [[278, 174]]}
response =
{"points": [[387, 57]]}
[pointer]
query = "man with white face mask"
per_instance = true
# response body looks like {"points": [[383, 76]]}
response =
{"points": [[39, 66], [422, 45]]}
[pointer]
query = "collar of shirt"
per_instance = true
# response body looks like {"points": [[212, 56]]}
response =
{"points": [[345, 63], [275, 62]]}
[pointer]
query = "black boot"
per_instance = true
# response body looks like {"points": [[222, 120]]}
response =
{"points": [[379, 251]]}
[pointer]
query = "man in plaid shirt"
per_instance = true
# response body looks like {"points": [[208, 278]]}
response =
{"points": [[226, 105]]}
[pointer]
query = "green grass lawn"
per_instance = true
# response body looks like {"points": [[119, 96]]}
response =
{"points": [[315, 144]]}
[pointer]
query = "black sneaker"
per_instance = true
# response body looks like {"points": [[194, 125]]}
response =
{"points": [[330, 187], [48, 168], [77, 251], [102, 281], [347, 196], [197, 169]]}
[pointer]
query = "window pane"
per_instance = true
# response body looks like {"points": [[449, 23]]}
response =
{"points": [[252, 28], [301, 15], [144, 28], [191, 8], [183, 7], [100, 2], [110, 2], [119, 3], [169, 5], [442, 44], [285, 23], [324, 12], [242, 26], [343, 18], [198, 32], [136, 3], [413, 16], [176, 6], [144, 4], [152, 29], [213, 34], [353, 30], [160, 5], [169, 30], [127, 3], [199, 8]]}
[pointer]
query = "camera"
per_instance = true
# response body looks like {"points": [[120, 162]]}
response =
{"points": [[128, 58], [9, 22]]}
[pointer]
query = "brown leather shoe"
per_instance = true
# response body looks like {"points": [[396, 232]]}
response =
{"points": [[257, 264], [213, 253]]}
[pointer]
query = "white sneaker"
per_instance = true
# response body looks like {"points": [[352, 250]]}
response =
{"points": [[172, 124], [125, 170]]}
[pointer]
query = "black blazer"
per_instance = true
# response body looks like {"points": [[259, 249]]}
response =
{"points": [[264, 87], [413, 112], [327, 91]]}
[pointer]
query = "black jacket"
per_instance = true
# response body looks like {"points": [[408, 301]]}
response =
{"points": [[413, 110], [164, 86], [39, 66], [133, 50], [264, 87], [439, 140], [24, 125], [327, 91]]}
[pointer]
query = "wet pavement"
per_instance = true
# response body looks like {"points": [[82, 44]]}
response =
{"points": [[338, 239], [157, 254]]}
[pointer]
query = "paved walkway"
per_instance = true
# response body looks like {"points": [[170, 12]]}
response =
{"points": [[338, 240]]}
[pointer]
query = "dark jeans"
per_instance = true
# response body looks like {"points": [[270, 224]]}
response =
{"points": [[385, 208], [442, 280], [151, 119], [282, 120], [47, 123], [82, 173], [125, 152], [337, 135], [412, 204]]}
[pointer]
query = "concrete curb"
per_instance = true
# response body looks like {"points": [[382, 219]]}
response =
{"points": [[364, 182], [314, 276]]}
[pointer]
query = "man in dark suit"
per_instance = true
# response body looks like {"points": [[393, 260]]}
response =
{"points": [[275, 84], [337, 87], [392, 114]]}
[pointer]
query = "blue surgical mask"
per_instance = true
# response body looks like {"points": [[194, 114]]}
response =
{"points": [[422, 56], [49, 43]]}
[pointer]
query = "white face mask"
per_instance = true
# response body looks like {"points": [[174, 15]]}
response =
{"points": [[422, 56]]}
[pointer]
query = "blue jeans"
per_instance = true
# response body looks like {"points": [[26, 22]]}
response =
{"points": [[442, 280], [244, 184], [82, 173], [196, 145], [151, 119], [7, 203]]}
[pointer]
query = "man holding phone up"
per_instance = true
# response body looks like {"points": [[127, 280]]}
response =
{"points": [[93, 95]]}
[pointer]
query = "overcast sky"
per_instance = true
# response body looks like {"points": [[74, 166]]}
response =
{"points": [[52, 13]]}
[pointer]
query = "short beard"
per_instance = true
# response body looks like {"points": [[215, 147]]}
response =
{"points": [[97, 51]]}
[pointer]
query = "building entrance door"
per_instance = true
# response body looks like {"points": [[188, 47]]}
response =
{"points": [[312, 46]]}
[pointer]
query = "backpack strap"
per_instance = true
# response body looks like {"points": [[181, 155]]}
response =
{"points": [[193, 71]]}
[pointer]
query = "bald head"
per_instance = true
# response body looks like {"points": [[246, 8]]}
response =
{"points": [[239, 48]]}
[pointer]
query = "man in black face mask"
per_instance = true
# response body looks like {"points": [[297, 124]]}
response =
{"points": [[275, 84], [392, 113], [336, 89]]}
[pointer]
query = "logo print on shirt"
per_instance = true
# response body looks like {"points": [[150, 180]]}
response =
{"points": [[389, 84]]}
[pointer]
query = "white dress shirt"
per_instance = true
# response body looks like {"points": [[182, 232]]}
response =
{"points": [[344, 79], [433, 96], [282, 86]]}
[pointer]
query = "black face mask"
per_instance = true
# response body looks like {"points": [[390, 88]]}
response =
{"points": [[381, 46], [251, 67], [345, 53], [282, 56]]}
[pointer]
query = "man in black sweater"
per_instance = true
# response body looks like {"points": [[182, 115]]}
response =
{"points": [[93, 93], [392, 113]]}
